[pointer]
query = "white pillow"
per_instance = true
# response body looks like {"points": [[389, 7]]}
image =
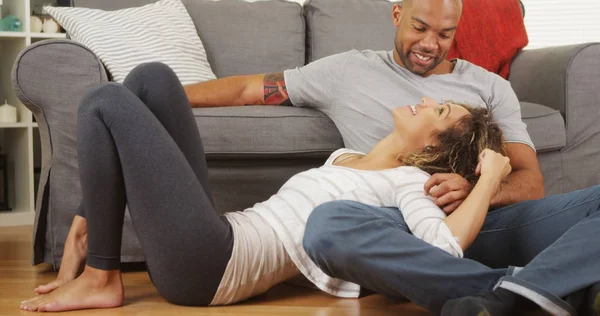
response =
{"points": [[162, 31]]}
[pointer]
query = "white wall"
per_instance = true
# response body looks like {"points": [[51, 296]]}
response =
{"points": [[560, 22]]}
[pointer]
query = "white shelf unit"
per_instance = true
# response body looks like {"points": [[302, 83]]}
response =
{"points": [[19, 141]]}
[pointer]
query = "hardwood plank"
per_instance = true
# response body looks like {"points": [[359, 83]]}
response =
{"points": [[18, 278]]}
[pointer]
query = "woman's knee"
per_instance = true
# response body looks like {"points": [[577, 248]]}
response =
{"points": [[150, 73], [101, 97]]}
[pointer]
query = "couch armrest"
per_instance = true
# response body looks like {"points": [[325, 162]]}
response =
{"points": [[567, 78], [50, 78]]}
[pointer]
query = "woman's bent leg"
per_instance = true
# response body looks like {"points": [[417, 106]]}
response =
{"points": [[125, 152], [127, 155], [157, 86]]}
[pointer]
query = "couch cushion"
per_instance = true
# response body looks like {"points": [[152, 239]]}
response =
{"points": [[158, 32], [336, 26], [240, 37], [110, 4], [266, 131], [250, 37], [545, 126]]}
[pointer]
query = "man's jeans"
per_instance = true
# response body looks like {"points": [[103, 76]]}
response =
{"points": [[555, 240]]}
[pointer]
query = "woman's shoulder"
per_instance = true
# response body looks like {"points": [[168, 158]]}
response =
{"points": [[410, 175], [340, 152]]}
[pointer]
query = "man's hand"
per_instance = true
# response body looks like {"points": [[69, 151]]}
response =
{"points": [[449, 190]]}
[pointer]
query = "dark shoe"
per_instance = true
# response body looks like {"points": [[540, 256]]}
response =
{"points": [[593, 301], [499, 302]]}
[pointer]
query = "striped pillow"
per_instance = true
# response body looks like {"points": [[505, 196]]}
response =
{"points": [[162, 31]]}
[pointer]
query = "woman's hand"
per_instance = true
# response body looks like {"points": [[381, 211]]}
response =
{"points": [[494, 164], [74, 256], [466, 222]]}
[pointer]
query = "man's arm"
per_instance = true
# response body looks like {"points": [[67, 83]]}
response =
{"points": [[262, 89], [525, 181]]}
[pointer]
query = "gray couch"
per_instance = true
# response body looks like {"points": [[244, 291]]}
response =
{"points": [[253, 150]]}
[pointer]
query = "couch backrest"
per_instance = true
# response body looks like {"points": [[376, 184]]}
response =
{"points": [[247, 38], [270, 36], [239, 37], [335, 26]]}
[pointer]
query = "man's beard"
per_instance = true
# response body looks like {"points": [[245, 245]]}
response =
{"points": [[408, 64]]}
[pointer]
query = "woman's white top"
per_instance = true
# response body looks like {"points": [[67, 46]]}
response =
{"points": [[260, 261]]}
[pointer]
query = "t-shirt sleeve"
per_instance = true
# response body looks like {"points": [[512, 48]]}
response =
{"points": [[506, 111], [424, 219], [315, 84]]}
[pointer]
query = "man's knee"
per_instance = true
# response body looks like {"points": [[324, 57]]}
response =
{"points": [[595, 190], [326, 231], [316, 234], [589, 196]]}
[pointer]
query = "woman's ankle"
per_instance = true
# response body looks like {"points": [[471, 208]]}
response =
{"points": [[102, 278]]}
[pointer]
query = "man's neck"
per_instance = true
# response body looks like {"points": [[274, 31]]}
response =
{"points": [[444, 68]]}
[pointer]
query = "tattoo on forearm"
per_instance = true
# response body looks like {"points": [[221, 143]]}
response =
{"points": [[275, 91], [257, 102]]}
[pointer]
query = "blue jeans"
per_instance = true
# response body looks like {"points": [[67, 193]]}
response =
{"points": [[554, 240]]}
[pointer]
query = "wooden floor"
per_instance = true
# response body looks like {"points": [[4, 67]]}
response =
{"points": [[18, 278]]}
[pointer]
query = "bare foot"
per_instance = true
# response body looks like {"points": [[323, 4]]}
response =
{"points": [[73, 258], [94, 288]]}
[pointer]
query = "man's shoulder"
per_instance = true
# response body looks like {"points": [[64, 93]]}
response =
{"points": [[358, 55], [469, 67], [480, 75]]}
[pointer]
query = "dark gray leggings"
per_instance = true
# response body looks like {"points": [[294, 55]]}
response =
{"points": [[138, 144]]}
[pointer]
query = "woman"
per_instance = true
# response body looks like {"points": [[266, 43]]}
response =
{"points": [[138, 144]]}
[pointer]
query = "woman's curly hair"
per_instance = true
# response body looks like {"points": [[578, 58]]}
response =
{"points": [[458, 148]]}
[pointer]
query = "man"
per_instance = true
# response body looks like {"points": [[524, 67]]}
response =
{"points": [[372, 246]]}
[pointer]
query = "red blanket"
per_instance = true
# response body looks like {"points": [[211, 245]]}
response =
{"points": [[490, 33]]}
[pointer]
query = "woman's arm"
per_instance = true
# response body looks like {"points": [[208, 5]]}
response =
{"points": [[457, 231], [465, 223]]}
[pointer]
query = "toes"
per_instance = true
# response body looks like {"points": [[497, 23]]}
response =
{"points": [[31, 300], [29, 307], [42, 304], [33, 303], [49, 307]]}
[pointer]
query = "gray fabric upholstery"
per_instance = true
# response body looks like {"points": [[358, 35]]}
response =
{"points": [[266, 131], [545, 126], [240, 183], [259, 37], [566, 79], [336, 26], [270, 34], [552, 171], [54, 105]]}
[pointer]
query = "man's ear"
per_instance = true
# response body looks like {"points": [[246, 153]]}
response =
{"points": [[397, 14]]}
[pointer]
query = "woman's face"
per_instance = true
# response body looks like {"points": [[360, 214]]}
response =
{"points": [[418, 124]]}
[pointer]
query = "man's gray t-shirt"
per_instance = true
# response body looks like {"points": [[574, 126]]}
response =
{"points": [[359, 89]]}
